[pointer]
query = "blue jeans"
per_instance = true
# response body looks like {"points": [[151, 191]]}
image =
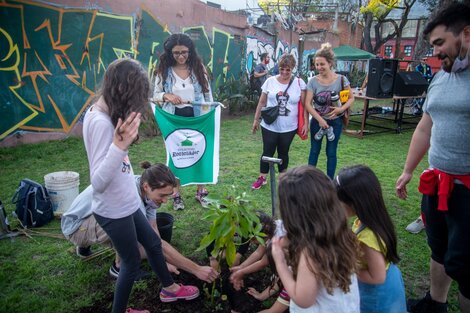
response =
{"points": [[388, 297], [331, 146]]}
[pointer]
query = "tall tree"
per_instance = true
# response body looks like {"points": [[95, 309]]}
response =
{"points": [[376, 10], [407, 4]]}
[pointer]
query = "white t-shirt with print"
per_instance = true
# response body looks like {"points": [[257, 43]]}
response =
{"points": [[288, 110]]}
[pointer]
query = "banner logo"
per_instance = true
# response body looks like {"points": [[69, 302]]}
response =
{"points": [[187, 147]]}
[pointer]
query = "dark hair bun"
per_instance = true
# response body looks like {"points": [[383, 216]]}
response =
{"points": [[145, 165]]}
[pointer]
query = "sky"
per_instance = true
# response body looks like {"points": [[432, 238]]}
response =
{"points": [[232, 5]]}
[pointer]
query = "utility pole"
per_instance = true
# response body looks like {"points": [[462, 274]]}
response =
{"points": [[291, 6]]}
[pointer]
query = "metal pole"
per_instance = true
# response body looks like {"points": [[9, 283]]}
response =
{"points": [[272, 180], [290, 21]]}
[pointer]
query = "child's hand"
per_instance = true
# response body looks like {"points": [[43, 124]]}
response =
{"points": [[277, 250], [236, 278], [126, 132], [255, 294]]}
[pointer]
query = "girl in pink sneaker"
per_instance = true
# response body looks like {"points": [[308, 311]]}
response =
{"points": [[111, 125]]}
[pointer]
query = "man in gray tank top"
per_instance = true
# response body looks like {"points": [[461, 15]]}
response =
{"points": [[443, 132]]}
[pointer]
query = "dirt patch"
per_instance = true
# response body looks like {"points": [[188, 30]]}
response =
{"points": [[226, 297]]}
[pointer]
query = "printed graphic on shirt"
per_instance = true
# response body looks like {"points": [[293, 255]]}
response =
{"points": [[282, 101], [126, 165], [323, 102], [187, 147]]}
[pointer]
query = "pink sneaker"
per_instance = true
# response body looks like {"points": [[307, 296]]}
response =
{"points": [[185, 292], [260, 181]]}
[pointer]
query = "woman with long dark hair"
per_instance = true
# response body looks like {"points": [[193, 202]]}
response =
{"points": [[180, 79]]}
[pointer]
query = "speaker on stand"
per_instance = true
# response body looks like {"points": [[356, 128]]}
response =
{"points": [[381, 78], [408, 84]]}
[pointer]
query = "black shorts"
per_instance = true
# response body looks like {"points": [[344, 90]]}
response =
{"points": [[449, 235]]}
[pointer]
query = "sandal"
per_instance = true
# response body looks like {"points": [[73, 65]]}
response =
{"points": [[185, 292]]}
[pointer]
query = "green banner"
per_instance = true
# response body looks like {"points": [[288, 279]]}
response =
{"points": [[192, 145]]}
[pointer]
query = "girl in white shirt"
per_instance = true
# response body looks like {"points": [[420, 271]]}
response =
{"points": [[321, 248]]}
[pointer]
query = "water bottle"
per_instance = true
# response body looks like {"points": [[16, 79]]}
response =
{"points": [[335, 99], [279, 231]]}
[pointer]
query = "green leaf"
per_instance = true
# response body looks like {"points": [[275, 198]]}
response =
{"points": [[260, 240], [230, 253], [205, 241]]}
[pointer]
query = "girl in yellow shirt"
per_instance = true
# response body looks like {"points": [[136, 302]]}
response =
{"points": [[381, 285]]}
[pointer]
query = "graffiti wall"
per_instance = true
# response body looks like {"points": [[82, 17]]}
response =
{"points": [[255, 47], [52, 58]]}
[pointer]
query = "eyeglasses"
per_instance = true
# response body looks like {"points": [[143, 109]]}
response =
{"points": [[178, 53]]}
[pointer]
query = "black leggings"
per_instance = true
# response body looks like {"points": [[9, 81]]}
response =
{"points": [[271, 142], [125, 233]]}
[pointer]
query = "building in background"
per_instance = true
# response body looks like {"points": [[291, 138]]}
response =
{"points": [[416, 22]]}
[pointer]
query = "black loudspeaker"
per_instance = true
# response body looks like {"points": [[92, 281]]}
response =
{"points": [[409, 84], [381, 78]]}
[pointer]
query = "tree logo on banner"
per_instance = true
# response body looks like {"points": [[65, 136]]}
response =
{"points": [[186, 146]]}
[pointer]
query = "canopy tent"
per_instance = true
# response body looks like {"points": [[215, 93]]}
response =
{"points": [[348, 53]]}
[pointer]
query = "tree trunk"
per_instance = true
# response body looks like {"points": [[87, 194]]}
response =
{"points": [[368, 18], [404, 19]]}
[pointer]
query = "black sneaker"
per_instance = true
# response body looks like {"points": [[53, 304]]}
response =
{"points": [[114, 272], [426, 305], [84, 252]]}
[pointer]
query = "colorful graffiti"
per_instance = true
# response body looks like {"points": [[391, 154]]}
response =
{"points": [[255, 47], [52, 59]]}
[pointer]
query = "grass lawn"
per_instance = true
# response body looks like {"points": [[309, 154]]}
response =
{"points": [[42, 274]]}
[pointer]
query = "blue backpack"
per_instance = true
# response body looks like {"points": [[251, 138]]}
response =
{"points": [[33, 205]]}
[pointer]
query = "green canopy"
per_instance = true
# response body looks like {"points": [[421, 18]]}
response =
{"points": [[348, 53]]}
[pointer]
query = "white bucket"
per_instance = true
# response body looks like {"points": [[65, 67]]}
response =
{"points": [[63, 189]]}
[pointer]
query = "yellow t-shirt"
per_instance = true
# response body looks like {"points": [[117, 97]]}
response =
{"points": [[367, 237]]}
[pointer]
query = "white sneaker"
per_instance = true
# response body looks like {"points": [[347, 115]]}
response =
{"points": [[416, 226], [330, 135], [319, 135], [178, 203]]}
